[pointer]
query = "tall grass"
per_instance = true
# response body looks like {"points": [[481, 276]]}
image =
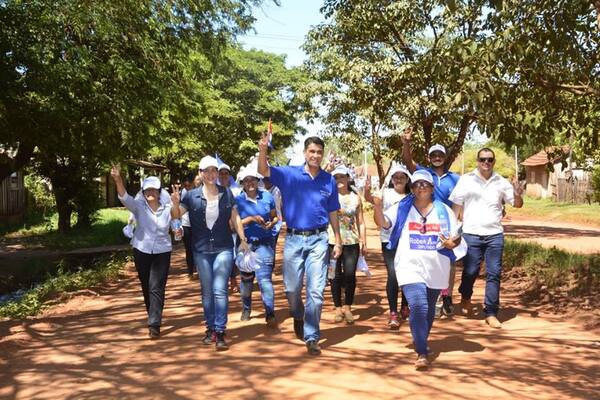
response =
{"points": [[554, 267]]}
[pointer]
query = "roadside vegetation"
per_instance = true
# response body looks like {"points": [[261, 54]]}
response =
{"points": [[549, 210], [58, 287], [39, 231]]}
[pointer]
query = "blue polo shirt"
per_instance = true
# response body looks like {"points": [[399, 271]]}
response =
{"points": [[307, 202], [442, 185], [262, 205]]}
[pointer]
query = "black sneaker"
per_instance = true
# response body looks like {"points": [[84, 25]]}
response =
{"points": [[153, 332], [271, 321], [447, 305], [312, 347], [245, 315], [221, 345], [299, 328], [209, 338]]}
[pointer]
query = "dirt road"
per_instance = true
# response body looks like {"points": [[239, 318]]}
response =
{"points": [[96, 348]]}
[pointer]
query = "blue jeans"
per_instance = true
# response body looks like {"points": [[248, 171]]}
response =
{"points": [[306, 255], [263, 275], [213, 270], [488, 248], [421, 302]]}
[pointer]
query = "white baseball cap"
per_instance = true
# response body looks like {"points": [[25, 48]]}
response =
{"points": [[340, 170], [398, 168], [422, 175], [224, 166], [151, 182], [437, 147], [246, 172], [206, 162]]}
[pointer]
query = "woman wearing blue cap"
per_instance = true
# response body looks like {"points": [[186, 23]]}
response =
{"points": [[425, 234], [151, 243]]}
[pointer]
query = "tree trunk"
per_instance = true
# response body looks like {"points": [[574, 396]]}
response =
{"points": [[456, 147], [597, 5], [64, 211], [376, 151]]}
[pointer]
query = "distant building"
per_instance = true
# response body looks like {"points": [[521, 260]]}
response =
{"points": [[546, 176]]}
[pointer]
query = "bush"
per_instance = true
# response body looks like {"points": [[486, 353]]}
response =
{"points": [[596, 183], [39, 192]]}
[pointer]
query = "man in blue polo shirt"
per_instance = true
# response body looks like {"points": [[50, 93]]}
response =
{"points": [[310, 203], [444, 182]]}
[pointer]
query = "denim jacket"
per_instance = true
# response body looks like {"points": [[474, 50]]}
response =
{"points": [[218, 238]]}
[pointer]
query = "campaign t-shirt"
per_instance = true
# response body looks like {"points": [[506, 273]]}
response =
{"points": [[417, 259]]}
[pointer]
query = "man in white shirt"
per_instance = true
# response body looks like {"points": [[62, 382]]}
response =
{"points": [[478, 200]]}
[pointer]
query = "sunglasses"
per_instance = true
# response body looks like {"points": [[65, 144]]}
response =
{"points": [[423, 229], [421, 185], [486, 159]]}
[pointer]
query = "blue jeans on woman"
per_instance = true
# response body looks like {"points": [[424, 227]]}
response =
{"points": [[214, 270], [488, 248], [264, 252], [306, 255], [421, 302]]}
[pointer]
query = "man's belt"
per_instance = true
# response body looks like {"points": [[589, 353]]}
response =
{"points": [[306, 232]]}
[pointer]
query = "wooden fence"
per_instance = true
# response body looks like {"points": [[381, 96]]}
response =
{"points": [[573, 190], [12, 195]]}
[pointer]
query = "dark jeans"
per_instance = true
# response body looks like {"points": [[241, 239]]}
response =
{"points": [[153, 270], [345, 275], [189, 255], [391, 286], [421, 300], [488, 248]]}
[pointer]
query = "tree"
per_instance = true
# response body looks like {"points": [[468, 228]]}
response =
{"points": [[81, 86], [446, 66], [227, 112]]}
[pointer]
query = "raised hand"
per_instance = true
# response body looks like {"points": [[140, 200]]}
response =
{"points": [[115, 171], [518, 187], [407, 134], [263, 143], [175, 194], [377, 198]]}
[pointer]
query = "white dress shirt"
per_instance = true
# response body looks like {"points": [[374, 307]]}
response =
{"points": [[482, 202]]}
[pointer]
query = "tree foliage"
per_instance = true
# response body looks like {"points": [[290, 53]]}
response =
{"points": [[84, 84], [521, 71]]}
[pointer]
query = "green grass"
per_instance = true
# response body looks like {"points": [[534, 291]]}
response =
{"points": [[41, 232], [553, 267], [36, 299], [551, 211]]}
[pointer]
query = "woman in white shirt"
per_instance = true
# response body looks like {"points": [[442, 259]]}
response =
{"points": [[151, 243], [424, 232], [392, 195]]}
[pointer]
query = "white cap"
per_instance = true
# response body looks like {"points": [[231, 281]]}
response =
{"points": [[246, 172], [206, 162], [422, 175], [224, 166], [340, 170], [151, 182], [398, 168], [437, 147]]}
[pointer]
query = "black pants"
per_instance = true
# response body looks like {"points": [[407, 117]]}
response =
{"points": [[391, 286], [345, 275], [189, 255], [153, 270]]}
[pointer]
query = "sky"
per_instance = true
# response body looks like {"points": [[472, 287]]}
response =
{"points": [[282, 30]]}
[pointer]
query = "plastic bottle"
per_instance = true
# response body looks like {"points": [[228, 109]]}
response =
{"points": [[331, 268], [177, 229]]}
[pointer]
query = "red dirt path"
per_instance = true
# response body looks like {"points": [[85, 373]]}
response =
{"points": [[96, 348]]}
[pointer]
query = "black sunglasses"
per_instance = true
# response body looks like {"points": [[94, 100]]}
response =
{"points": [[421, 184], [486, 159], [423, 229]]}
